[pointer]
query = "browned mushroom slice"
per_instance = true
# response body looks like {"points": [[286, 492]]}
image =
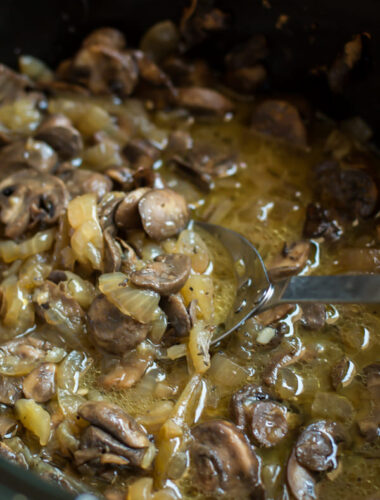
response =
{"points": [[342, 373], [313, 316], [112, 330], [82, 181], [223, 461], [110, 37], [112, 251], [58, 132], [28, 153], [271, 316], [203, 165], [150, 72], [140, 152], [128, 372], [285, 357], [268, 424], [204, 101], [102, 69], [8, 426], [94, 438], [319, 222], [179, 142], [291, 260], [163, 212], [301, 482], [246, 80], [351, 191], [147, 177], [7, 453], [29, 198], [186, 73], [12, 84], [122, 177], [178, 316], [280, 120], [127, 213], [264, 420], [40, 383], [10, 390], [167, 274], [112, 419], [316, 448]]}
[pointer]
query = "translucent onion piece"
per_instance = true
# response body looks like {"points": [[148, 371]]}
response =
{"points": [[18, 310], [156, 416], [21, 115], [140, 304], [36, 69], [141, 489], [201, 289], [79, 289], [68, 402], [190, 243], [14, 362], [158, 328], [34, 418], [34, 271], [71, 369], [199, 345], [87, 240], [226, 373], [102, 155], [40, 242]]}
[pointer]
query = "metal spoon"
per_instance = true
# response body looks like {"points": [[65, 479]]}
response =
{"points": [[256, 293]]}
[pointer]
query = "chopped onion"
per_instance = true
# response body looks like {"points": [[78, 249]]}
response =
{"points": [[199, 344], [140, 304], [226, 373], [34, 418], [71, 369], [34, 271], [40, 242], [176, 351], [80, 289], [190, 243], [87, 239], [158, 329], [68, 402], [36, 69], [156, 415], [332, 406], [201, 289], [17, 308]]}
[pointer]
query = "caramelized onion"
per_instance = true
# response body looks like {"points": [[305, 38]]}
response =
{"points": [[40, 242]]}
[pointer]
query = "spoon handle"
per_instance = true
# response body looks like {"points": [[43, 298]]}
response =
{"points": [[350, 289]]}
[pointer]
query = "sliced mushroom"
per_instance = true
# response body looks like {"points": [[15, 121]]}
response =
{"points": [[291, 260], [223, 462], [150, 72], [316, 448], [128, 372], [271, 316], [122, 177], [203, 165], [186, 73], [110, 37], [59, 133], [163, 212], [313, 316], [94, 438], [301, 482], [263, 419], [203, 100], [112, 251], [8, 426], [166, 275], [280, 120], [369, 426], [112, 419], [112, 330], [10, 455], [40, 383], [127, 213], [285, 357], [342, 373], [246, 80], [102, 69], [179, 142], [81, 181], [351, 191], [28, 199], [28, 153], [147, 177], [140, 153], [319, 222], [10, 390], [12, 84], [178, 316]]}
